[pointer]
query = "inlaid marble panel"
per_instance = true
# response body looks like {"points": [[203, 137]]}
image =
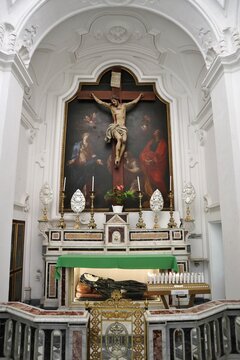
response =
{"points": [[150, 235], [70, 236], [76, 345], [157, 345]]}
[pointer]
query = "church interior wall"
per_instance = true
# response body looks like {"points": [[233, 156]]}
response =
{"points": [[57, 67], [49, 141]]}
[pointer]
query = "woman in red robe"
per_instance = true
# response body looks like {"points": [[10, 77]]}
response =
{"points": [[154, 163]]}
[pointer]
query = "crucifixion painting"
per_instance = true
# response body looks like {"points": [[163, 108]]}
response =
{"points": [[136, 119], [117, 130]]}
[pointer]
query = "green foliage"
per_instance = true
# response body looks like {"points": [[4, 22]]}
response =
{"points": [[117, 195]]}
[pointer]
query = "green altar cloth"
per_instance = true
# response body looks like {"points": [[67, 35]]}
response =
{"points": [[127, 261]]}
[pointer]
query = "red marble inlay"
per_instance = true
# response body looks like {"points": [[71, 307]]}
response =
{"points": [[41, 312], [195, 309], [157, 345], [77, 345]]}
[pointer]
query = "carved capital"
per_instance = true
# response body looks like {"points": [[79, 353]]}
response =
{"points": [[7, 38], [227, 44], [231, 41]]}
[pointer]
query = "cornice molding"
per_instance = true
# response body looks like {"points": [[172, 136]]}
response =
{"points": [[14, 64], [221, 65]]}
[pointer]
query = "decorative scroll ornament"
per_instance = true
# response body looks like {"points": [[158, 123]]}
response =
{"points": [[78, 203], [209, 46], [46, 196], [27, 43], [188, 195], [156, 205]]}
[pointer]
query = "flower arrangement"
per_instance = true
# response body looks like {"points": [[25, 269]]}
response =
{"points": [[117, 195]]}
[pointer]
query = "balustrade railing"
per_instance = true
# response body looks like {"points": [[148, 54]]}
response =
{"points": [[28, 333], [205, 332]]}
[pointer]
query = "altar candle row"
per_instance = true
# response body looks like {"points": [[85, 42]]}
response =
{"points": [[175, 278]]}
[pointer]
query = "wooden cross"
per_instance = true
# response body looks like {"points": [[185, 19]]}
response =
{"points": [[123, 95]]}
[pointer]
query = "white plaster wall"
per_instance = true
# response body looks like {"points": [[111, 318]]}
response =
{"points": [[217, 278], [212, 188], [226, 126], [65, 58], [49, 170], [22, 167], [10, 117], [205, 22]]}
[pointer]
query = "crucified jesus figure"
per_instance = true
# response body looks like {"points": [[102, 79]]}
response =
{"points": [[117, 130]]}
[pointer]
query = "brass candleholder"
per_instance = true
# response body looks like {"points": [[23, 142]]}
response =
{"points": [[61, 223], [172, 223], [92, 224], [140, 224]]}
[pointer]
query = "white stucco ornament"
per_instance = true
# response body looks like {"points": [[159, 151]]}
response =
{"points": [[46, 194], [156, 201], [188, 193], [78, 202]]}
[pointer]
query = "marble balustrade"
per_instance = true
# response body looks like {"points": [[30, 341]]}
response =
{"points": [[206, 331]]}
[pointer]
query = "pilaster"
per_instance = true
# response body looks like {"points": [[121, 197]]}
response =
{"points": [[222, 81], [13, 79]]}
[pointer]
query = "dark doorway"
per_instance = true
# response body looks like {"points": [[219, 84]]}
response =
{"points": [[16, 265]]}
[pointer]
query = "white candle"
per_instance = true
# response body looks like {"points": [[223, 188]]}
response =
{"points": [[92, 183], [170, 183], [139, 189], [64, 184]]}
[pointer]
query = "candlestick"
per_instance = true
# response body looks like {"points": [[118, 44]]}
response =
{"points": [[92, 224], [92, 183], [141, 224], [139, 189], [170, 188], [64, 184], [172, 223], [61, 222]]}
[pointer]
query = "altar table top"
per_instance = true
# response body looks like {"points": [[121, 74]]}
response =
{"points": [[127, 261]]}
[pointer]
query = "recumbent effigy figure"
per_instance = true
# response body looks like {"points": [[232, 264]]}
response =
{"points": [[129, 288]]}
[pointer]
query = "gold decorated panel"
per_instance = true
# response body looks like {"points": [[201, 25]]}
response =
{"points": [[84, 236]]}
